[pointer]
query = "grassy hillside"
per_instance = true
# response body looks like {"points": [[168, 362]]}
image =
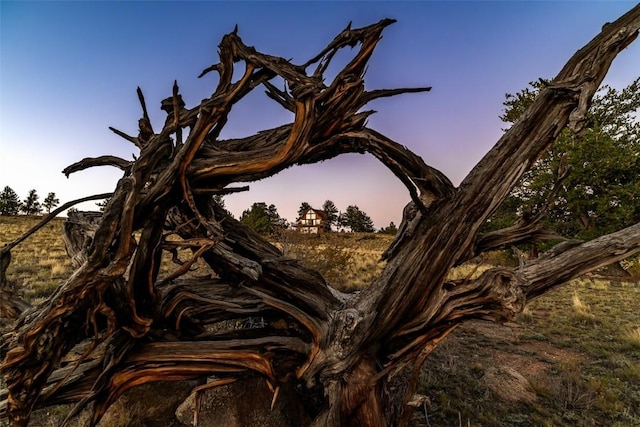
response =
{"points": [[40, 263], [578, 347], [571, 359]]}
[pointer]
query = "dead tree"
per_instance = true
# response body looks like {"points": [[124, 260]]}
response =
{"points": [[358, 354]]}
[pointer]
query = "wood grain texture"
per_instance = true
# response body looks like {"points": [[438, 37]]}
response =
{"points": [[356, 355]]}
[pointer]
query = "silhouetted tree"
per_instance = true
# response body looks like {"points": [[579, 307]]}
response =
{"points": [[50, 202], [332, 212], [391, 229], [9, 202], [31, 205], [304, 206], [357, 220]]}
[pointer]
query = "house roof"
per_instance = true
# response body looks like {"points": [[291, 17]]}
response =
{"points": [[322, 214]]}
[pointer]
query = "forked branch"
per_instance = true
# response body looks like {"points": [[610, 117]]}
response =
{"points": [[347, 346]]}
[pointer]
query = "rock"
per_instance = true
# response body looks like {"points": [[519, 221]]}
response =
{"points": [[152, 404], [244, 403], [185, 413], [509, 385]]}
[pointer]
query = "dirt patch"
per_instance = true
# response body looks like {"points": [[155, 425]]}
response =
{"points": [[511, 336], [528, 366], [551, 354], [508, 331], [504, 358]]}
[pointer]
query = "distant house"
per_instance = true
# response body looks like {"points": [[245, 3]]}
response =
{"points": [[313, 221]]}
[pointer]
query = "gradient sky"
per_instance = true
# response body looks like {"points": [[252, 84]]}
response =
{"points": [[70, 69]]}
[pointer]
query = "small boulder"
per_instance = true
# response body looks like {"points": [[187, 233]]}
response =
{"points": [[508, 384], [244, 403]]}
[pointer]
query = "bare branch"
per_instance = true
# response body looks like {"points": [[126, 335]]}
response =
{"points": [[514, 235], [144, 124], [176, 115], [561, 265], [408, 167], [280, 96], [349, 37], [384, 93], [129, 138], [90, 162], [222, 191], [529, 228]]}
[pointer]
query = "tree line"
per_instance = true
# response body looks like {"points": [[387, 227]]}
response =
{"points": [[10, 203], [266, 220], [260, 216]]}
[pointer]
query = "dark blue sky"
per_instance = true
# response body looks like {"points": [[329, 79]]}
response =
{"points": [[70, 69]]}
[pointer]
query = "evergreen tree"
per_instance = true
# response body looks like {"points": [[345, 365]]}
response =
{"points": [[263, 219], [9, 202], [304, 206], [332, 212], [391, 229], [51, 201], [277, 222], [31, 205], [602, 191], [357, 220]]}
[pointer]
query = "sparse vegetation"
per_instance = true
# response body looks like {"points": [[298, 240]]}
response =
{"points": [[348, 261], [40, 263], [633, 336], [583, 372], [582, 310]]}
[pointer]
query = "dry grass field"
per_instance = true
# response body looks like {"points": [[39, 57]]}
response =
{"points": [[40, 263], [572, 358]]}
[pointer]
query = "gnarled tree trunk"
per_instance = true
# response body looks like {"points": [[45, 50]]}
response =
{"points": [[357, 356]]}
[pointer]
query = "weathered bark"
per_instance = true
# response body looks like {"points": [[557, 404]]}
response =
{"points": [[357, 355], [10, 304], [79, 229]]}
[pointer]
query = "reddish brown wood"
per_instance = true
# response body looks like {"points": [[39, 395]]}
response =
{"points": [[357, 355]]}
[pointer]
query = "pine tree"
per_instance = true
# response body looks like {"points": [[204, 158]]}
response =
{"points": [[31, 205], [51, 201], [304, 206], [599, 193], [263, 219], [9, 202], [332, 212], [357, 220]]}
